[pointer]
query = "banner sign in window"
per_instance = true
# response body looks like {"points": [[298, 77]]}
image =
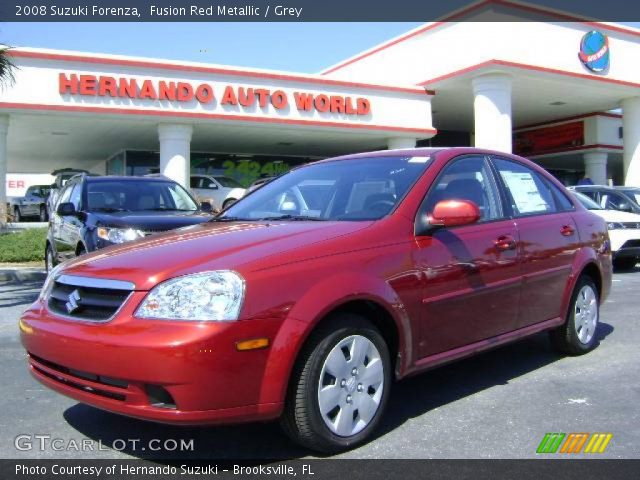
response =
{"points": [[557, 138]]}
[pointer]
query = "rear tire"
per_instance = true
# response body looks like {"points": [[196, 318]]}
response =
{"points": [[340, 386], [578, 333]]}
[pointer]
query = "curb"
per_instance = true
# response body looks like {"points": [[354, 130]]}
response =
{"points": [[22, 275]]}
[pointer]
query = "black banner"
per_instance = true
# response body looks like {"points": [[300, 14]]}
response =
{"points": [[314, 10], [322, 469]]}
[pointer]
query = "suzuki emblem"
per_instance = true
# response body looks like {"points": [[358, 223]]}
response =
{"points": [[72, 303]]}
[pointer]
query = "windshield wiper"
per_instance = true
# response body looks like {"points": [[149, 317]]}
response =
{"points": [[166, 209], [292, 217], [230, 219]]}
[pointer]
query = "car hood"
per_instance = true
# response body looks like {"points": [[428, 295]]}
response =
{"points": [[617, 216], [211, 246], [150, 221]]}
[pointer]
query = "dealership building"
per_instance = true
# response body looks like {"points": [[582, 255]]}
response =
{"points": [[562, 91]]}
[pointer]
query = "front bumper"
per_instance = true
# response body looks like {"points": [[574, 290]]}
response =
{"points": [[115, 365], [625, 242]]}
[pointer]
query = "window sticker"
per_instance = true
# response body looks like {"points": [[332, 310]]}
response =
{"points": [[419, 159], [525, 192]]}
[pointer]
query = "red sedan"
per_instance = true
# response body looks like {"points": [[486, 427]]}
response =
{"points": [[310, 296]]}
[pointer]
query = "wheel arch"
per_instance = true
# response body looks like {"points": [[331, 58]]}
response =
{"points": [[587, 266], [592, 271], [380, 305]]}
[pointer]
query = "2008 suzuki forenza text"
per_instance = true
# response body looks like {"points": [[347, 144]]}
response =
{"points": [[305, 300]]}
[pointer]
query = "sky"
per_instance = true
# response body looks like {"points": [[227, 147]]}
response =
{"points": [[298, 47]]}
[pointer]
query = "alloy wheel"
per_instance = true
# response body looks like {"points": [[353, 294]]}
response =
{"points": [[586, 314], [351, 385]]}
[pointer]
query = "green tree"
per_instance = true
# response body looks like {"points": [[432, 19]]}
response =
{"points": [[6, 79]]}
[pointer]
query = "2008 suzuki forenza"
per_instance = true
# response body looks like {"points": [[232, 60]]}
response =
{"points": [[310, 296]]}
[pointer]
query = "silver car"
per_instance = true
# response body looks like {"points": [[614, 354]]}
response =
{"points": [[218, 190], [32, 204]]}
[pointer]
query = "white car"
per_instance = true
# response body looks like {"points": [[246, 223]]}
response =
{"points": [[218, 190], [624, 232]]}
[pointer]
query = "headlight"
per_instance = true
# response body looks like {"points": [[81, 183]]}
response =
{"points": [[615, 226], [119, 235], [48, 283], [207, 296]]}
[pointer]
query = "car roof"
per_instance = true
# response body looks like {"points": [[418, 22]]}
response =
{"points": [[121, 178], [416, 152]]}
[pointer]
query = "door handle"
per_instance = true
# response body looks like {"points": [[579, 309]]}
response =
{"points": [[505, 242], [567, 230]]}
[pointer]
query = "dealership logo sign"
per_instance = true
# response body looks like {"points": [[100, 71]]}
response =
{"points": [[574, 443], [207, 94], [594, 51]]}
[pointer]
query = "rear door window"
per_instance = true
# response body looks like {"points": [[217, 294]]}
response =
{"points": [[527, 193]]}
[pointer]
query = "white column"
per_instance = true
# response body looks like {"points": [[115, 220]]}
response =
{"points": [[4, 130], [492, 111], [175, 147], [595, 167], [631, 140], [400, 142]]}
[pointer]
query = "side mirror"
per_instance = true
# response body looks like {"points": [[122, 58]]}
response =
{"points": [[206, 207], [213, 186], [449, 213], [54, 186], [453, 213], [66, 209], [625, 207]]}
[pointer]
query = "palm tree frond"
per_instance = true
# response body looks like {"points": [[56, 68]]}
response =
{"points": [[6, 67]]}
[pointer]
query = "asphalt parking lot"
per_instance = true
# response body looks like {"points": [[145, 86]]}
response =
{"points": [[496, 405]]}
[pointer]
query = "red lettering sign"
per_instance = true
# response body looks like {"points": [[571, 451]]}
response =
{"points": [[204, 93]]}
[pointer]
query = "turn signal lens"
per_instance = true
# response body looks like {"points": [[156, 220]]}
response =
{"points": [[253, 344]]}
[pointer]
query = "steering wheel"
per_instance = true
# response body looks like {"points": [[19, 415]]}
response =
{"points": [[383, 206]]}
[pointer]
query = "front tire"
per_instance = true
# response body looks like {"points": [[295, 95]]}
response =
{"points": [[49, 261], [340, 386], [43, 214], [578, 334], [17, 216]]}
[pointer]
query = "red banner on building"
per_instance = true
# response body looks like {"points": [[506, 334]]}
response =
{"points": [[549, 139]]}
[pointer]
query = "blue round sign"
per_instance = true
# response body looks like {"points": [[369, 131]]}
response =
{"points": [[594, 51]]}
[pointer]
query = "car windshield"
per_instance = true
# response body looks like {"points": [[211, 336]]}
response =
{"points": [[228, 182], [586, 201], [634, 194], [357, 189], [138, 195]]}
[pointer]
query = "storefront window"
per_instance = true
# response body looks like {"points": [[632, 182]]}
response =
{"points": [[115, 165], [241, 170]]}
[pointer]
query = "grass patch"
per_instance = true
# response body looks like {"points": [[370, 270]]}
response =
{"points": [[24, 246]]}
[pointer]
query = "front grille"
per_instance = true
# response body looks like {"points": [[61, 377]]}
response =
{"points": [[87, 298], [631, 225], [631, 244]]}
